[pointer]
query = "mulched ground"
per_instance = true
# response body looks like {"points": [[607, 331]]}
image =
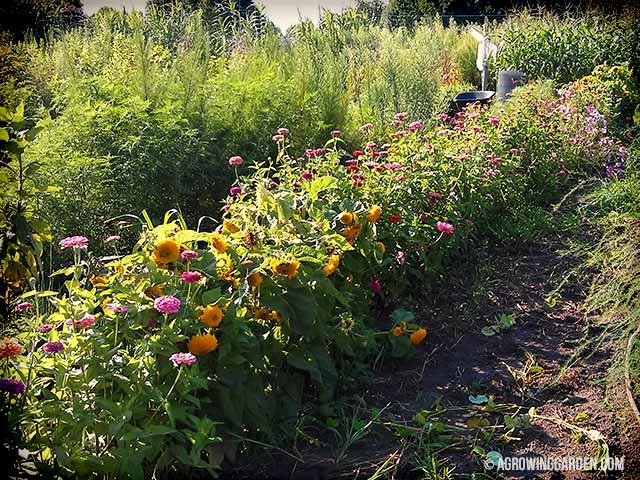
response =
{"points": [[458, 361]]}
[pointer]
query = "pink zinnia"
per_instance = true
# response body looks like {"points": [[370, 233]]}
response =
{"points": [[336, 133], [189, 255], [436, 195], [366, 127], [283, 131], [396, 123], [445, 227], [278, 138], [235, 191], [117, 308], [21, 307], [74, 242], [236, 160], [310, 152], [53, 347], [182, 359], [357, 153], [167, 304], [393, 166], [376, 285], [112, 238], [306, 175], [395, 218], [45, 327], [400, 116], [494, 121], [372, 145], [191, 277], [85, 322], [443, 133]]}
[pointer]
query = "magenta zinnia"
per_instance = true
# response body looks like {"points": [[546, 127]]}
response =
{"points": [[21, 307], [74, 242], [191, 277], [445, 227], [45, 327], [167, 304], [182, 359], [85, 322], [53, 347]]}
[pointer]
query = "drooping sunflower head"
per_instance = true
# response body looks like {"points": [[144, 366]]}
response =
{"points": [[166, 251], [219, 242], [374, 213], [201, 344], [332, 265], [255, 280]]}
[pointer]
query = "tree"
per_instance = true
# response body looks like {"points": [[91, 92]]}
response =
{"points": [[408, 13], [36, 17], [372, 9]]}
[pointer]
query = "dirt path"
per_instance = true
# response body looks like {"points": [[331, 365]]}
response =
{"points": [[544, 361]]}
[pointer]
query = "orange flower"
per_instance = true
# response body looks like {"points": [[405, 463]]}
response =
{"points": [[219, 242], [351, 233], [166, 251], [98, 281], [332, 265], [347, 218], [201, 344], [155, 291], [397, 331], [9, 348], [255, 280], [418, 336], [230, 226], [374, 213], [211, 315]]}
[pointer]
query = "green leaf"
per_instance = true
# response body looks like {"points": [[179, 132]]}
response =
{"points": [[488, 331], [211, 296], [4, 135], [320, 184], [402, 315], [149, 431]]}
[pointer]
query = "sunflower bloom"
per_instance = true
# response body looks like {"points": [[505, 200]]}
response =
{"points": [[418, 336], [98, 281], [332, 265], [219, 242], [201, 344], [230, 226], [166, 251], [255, 280], [374, 213], [290, 269], [350, 233], [211, 315], [346, 218], [155, 291]]}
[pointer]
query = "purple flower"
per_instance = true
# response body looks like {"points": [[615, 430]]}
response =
{"points": [[236, 160], [74, 242], [366, 127], [85, 322], [167, 304], [53, 347], [393, 166], [283, 131], [376, 285], [21, 307], [400, 257], [189, 255], [336, 133], [413, 126], [235, 191], [45, 327], [117, 308], [306, 175], [182, 359], [400, 116], [11, 386]]}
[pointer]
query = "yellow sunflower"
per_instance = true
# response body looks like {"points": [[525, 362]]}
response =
{"points": [[201, 344], [211, 315], [290, 268], [346, 218], [230, 226], [332, 265], [219, 242], [255, 280], [374, 213], [166, 251]]}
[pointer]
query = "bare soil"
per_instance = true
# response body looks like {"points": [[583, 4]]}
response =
{"points": [[458, 360]]}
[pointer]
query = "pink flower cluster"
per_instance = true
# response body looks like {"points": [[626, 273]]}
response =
{"points": [[445, 227], [167, 304], [182, 359], [21, 307], [74, 242], [191, 277], [85, 322]]}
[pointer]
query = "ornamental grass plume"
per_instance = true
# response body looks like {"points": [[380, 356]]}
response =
{"points": [[202, 344], [218, 242], [182, 359], [52, 348], [11, 386], [211, 315], [166, 251], [418, 336], [332, 265], [9, 348], [76, 241], [167, 304]]}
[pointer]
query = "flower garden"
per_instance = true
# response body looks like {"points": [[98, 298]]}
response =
{"points": [[177, 344]]}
